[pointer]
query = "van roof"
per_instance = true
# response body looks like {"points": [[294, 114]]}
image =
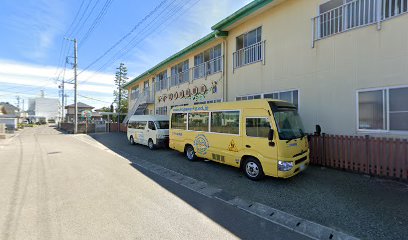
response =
{"points": [[231, 105], [149, 118]]}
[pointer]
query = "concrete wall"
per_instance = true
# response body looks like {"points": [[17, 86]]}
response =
{"points": [[10, 123], [326, 76], [208, 81]]}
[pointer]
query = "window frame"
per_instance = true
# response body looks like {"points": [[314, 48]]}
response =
{"points": [[254, 117], [385, 107], [209, 121], [239, 122]]}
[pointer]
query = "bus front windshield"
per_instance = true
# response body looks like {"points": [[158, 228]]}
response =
{"points": [[289, 124], [162, 124]]}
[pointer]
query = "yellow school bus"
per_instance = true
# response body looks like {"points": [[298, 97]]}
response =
{"points": [[262, 137]]}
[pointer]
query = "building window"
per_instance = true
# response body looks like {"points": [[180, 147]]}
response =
{"points": [[248, 97], [179, 74], [198, 121], [289, 96], [161, 81], [225, 122], [161, 110], [383, 109], [179, 121], [249, 48], [257, 127], [134, 93], [208, 62]]}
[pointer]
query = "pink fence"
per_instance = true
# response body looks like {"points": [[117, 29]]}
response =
{"points": [[374, 156]]}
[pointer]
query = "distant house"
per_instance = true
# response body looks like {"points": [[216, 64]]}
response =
{"points": [[8, 110], [48, 109], [69, 117], [8, 115]]}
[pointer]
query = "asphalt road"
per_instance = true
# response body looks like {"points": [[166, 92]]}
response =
{"points": [[56, 186], [362, 206]]}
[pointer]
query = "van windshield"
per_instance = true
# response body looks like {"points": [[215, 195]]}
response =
{"points": [[162, 124]]}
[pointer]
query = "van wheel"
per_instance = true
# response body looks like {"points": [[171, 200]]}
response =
{"points": [[253, 169], [150, 144], [132, 141], [190, 154]]}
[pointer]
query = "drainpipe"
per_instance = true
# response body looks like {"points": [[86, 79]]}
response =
{"points": [[225, 71], [379, 3]]}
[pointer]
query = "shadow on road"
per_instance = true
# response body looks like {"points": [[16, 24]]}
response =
{"points": [[365, 207]]}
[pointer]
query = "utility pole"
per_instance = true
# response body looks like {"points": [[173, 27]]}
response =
{"points": [[75, 84], [18, 105], [120, 95]]}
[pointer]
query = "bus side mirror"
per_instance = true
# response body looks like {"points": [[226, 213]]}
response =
{"points": [[318, 130], [270, 134]]}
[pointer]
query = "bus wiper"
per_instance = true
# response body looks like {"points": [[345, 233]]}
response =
{"points": [[302, 134]]}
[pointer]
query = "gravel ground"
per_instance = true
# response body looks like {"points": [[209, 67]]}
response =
{"points": [[366, 207]]}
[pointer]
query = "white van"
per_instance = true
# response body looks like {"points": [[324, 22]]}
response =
{"points": [[150, 130]]}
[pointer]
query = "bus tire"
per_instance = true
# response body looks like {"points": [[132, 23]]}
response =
{"points": [[190, 153], [150, 144], [131, 140], [253, 169]]}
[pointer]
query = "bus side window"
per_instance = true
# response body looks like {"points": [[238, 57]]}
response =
{"points": [[179, 121]]}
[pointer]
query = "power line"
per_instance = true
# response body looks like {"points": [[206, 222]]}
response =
{"points": [[96, 21], [95, 99], [63, 43], [137, 39], [176, 8], [90, 13], [125, 36], [80, 19]]}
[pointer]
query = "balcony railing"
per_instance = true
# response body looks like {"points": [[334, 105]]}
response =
{"points": [[354, 14], [207, 68], [180, 78], [251, 54], [161, 84]]}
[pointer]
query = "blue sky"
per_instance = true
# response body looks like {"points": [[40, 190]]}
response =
{"points": [[33, 49]]}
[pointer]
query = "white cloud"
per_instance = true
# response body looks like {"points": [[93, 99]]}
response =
{"points": [[26, 80], [36, 26]]}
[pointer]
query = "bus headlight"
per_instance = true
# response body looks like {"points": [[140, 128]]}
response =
{"points": [[285, 166]]}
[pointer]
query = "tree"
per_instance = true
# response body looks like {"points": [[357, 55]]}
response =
{"points": [[121, 95]]}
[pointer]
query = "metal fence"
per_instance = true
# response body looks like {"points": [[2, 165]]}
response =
{"points": [[207, 68], [354, 14], [251, 54], [369, 155]]}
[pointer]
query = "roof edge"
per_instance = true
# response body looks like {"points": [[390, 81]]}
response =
{"points": [[241, 13], [204, 40]]}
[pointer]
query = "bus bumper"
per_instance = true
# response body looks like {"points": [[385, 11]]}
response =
{"points": [[299, 165]]}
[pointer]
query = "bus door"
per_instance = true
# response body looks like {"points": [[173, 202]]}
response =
{"points": [[255, 138]]}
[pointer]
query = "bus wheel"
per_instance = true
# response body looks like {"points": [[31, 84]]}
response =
{"points": [[132, 141], [190, 154], [150, 144], [253, 169]]}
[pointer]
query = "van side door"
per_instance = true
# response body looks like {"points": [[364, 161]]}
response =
{"points": [[151, 132]]}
